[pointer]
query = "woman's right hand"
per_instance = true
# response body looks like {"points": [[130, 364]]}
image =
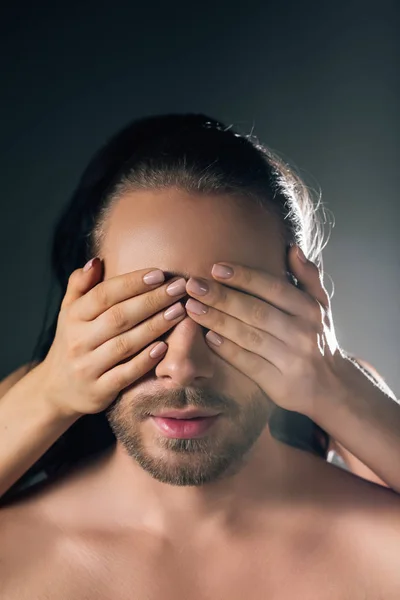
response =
{"points": [[104, 329]]}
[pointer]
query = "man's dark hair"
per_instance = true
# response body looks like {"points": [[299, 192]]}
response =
{"points": [[195, 153]]}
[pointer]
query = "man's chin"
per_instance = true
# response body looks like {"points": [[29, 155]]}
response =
{"points": [[188, 462], [183, 469]]}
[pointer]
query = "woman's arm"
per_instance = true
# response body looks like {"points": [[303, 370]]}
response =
{"points": [[364, 419], [28, 424], [353, 465], [351, 462], [361, 416]]}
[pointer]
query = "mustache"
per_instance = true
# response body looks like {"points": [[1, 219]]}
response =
{"points": [[144, 404]]}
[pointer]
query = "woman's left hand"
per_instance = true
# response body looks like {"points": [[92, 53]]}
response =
{"points": [[278, 335]]}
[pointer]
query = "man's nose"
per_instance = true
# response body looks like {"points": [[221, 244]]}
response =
{"points": [[188, 359]]}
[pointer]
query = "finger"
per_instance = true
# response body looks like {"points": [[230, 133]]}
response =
{"points": [[125, 345], [265, 374], [308, 275], [248, 309], [128, 314], [273, 289], [81, 281], [127, 373], [245, 336], [117, 289]]}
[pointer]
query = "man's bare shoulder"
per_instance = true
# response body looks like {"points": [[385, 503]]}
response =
{"points": [[355, 501], [34, 520], [366, 518], [26, 543], [349, 491]]}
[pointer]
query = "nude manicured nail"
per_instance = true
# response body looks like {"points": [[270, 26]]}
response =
{"points": [[156, 276], [89, 264], [177, 287], [158, 350], [174, 311]]}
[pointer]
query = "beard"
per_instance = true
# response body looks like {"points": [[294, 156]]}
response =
{"points": [[219, 453]]}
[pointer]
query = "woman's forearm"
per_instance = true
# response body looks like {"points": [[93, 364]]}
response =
{"points": [[365, 420], [29, 425]]}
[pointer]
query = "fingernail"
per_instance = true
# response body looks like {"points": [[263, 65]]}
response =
{"points": [[158, 350], [197, 286], [196, 307], [89, 264], [174, 311], [222, 271], [300, 254], [177, 287], [156, 276], [214, 338]]}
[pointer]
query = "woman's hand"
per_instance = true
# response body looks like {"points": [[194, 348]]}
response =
{"points": [[101, 326], [278, 335]]}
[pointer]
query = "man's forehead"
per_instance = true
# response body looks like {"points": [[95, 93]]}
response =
{"points": [[185, 238]]}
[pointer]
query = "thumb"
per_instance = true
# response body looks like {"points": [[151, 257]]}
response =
{"points": [[308, 275], [82, 280]]}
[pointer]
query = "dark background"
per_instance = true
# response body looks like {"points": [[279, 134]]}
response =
{"points": [[316, 81]]}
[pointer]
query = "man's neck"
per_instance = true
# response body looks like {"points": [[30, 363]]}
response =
{"points": [[273, 478]]}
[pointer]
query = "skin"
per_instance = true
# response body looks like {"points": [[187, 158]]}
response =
{"points": [[248, 516], [40, 428], [353, 464]]}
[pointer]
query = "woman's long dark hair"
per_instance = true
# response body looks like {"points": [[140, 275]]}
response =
{"points": [[199, 154]]}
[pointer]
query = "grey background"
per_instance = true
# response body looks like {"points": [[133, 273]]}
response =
{"points": [[317, 81]]}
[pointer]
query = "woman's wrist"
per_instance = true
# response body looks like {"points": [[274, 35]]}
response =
{"points": [[29, 425]]}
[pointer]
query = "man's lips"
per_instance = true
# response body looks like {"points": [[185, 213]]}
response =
{"points": [[185, 414]]}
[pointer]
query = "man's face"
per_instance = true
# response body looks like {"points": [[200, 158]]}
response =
{"points": [[177, 232]]}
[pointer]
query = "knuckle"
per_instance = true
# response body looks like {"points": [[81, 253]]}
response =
{"points": [[130, 282], [126, 374], [277, 287], [246, 275], [152, 301], [115, 380], [82, 370], [254, 337], [121, 346], [260, 313], [119, 380], [117, 317], [75, 347], [101, 296], [134, 369], [154, 326]]}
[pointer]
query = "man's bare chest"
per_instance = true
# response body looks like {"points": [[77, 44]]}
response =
{"points": [[65, 569]]}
